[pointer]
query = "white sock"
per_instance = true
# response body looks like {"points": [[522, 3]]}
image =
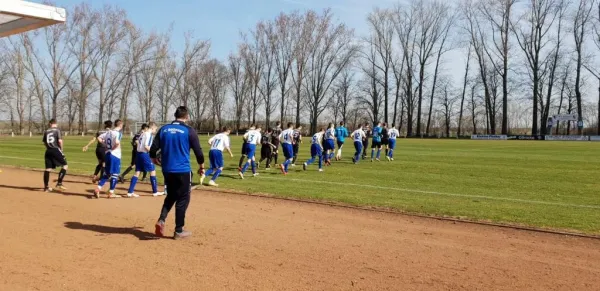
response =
{"points": [[339, 153]]}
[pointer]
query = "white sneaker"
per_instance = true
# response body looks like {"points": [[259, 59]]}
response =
{"points": [[392, 159], [202, 179], [388, 158], [240, 174], [320, 170], [293, 165], [113, 195], [212, 183], [158, 194], [132, 195], [255, 174]]}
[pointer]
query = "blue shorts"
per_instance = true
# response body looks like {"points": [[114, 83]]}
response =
{"points": [[288, 150], [143, 163], [358, 146], [244, 148], [392, 144], [216, 159], [328, 145], [250, 150], [315, 150], [112, 165]]}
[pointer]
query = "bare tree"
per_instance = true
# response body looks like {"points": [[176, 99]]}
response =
{"points": [[195, 52], [147, 77], [447, 101], [240, 85], [285, 46], [304, 27], [217, 79], [265, 35], [464, 91], [344, 93], [16, 74], [580, 21]]}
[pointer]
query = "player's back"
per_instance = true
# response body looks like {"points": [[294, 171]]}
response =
{"points": [[265, 140], [112, 140], [219, 142], [317, 138], [100, 133], [174, 143], [145, 139], [358, 135], [253, 136], [287, 136], [394, 133], [376, 133], [330, 133], [51, 137]]}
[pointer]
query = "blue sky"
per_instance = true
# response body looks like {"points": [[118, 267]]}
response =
{"points": [[221, 20]]}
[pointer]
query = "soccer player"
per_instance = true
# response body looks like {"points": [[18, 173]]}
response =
{"points": [[175, 141], [252, 138], [341, 132], [267, 148], [297, 139], [218, 143], [112, 141], [316, 149], [393, 134], [384, 137], [54, 156], [143, 163], [244, 155], [358, 136], [286, 138], [368, 134], [276, 141], [134, 147], [329, 143], [376, 143], [100, 151]]}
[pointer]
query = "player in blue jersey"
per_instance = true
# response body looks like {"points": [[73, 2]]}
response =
{"points": [[218, 144], [341, 132], [376, 143], [329, 143], [393, 135], [252, 138], [287, 139], [143, 163], [316, 150], [358, 136], [112, 142], [174, 141]]}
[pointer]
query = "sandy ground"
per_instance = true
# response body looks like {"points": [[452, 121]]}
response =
{"points": [[51, 241]]}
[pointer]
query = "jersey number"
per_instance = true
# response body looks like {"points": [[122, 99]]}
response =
{"points": [[216, 143], [109, 143], [50, 138], [251, 138]]}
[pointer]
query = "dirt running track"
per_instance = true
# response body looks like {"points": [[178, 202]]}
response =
{"points": [[69, 242]]}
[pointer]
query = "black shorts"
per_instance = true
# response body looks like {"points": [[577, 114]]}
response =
{"points": [[296, 147], [376, 144], [385, 142], [244, 149], [100, 154], [266, 152], [340, 144], [133, 156], [54, 158]]}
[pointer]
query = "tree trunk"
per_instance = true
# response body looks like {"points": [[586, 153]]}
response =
{"points": [[421, 79]]}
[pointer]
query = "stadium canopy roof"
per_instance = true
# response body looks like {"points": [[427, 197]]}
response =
{"points": [[18, 16]]}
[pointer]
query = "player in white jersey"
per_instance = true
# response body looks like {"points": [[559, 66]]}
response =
{"points": [[287, 144], [143, 163], [218, 144], [358, 136], [316, 150], [393, 134], [329, 143], [252, 138], [112, 141]]}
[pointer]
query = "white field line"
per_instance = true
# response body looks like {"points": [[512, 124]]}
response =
{"points": [[516, 200]]}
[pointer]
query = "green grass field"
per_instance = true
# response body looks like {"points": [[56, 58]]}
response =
{"points": [[535, 183]]}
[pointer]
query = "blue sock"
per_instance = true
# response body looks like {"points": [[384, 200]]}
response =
{"points": [[216, 175], [208, 172], [331, 156], [154, 184], [378, 153], [113, 183], [286, 164], [391, 153], [310, 161], [102, 180], [372, 154], [245, 167], [253, 167], [134, 180]]}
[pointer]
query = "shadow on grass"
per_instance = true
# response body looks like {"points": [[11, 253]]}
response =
{"points": [[135, 231], [36, 189]]}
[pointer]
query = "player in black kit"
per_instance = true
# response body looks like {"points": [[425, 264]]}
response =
{"points": [[275, 140], [54, 156], [100, 151], [266, 150], [365, 142]]}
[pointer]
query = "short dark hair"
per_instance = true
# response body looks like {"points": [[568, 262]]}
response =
{"points": [[269, 130], [321, 129], [298, 125], [118, 122], [181, 112], [151, 124], [52, 121], [366, 124], [108, 124], [290, 124], [224, 129], [393, 125], [145, 126], [341, 123], [278, 123]]}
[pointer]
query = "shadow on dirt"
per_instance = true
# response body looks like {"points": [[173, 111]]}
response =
{"points": [[135, 231], [37, 189]]}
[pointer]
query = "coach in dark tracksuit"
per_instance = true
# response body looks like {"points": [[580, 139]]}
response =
{"points": [[174, 142]]}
